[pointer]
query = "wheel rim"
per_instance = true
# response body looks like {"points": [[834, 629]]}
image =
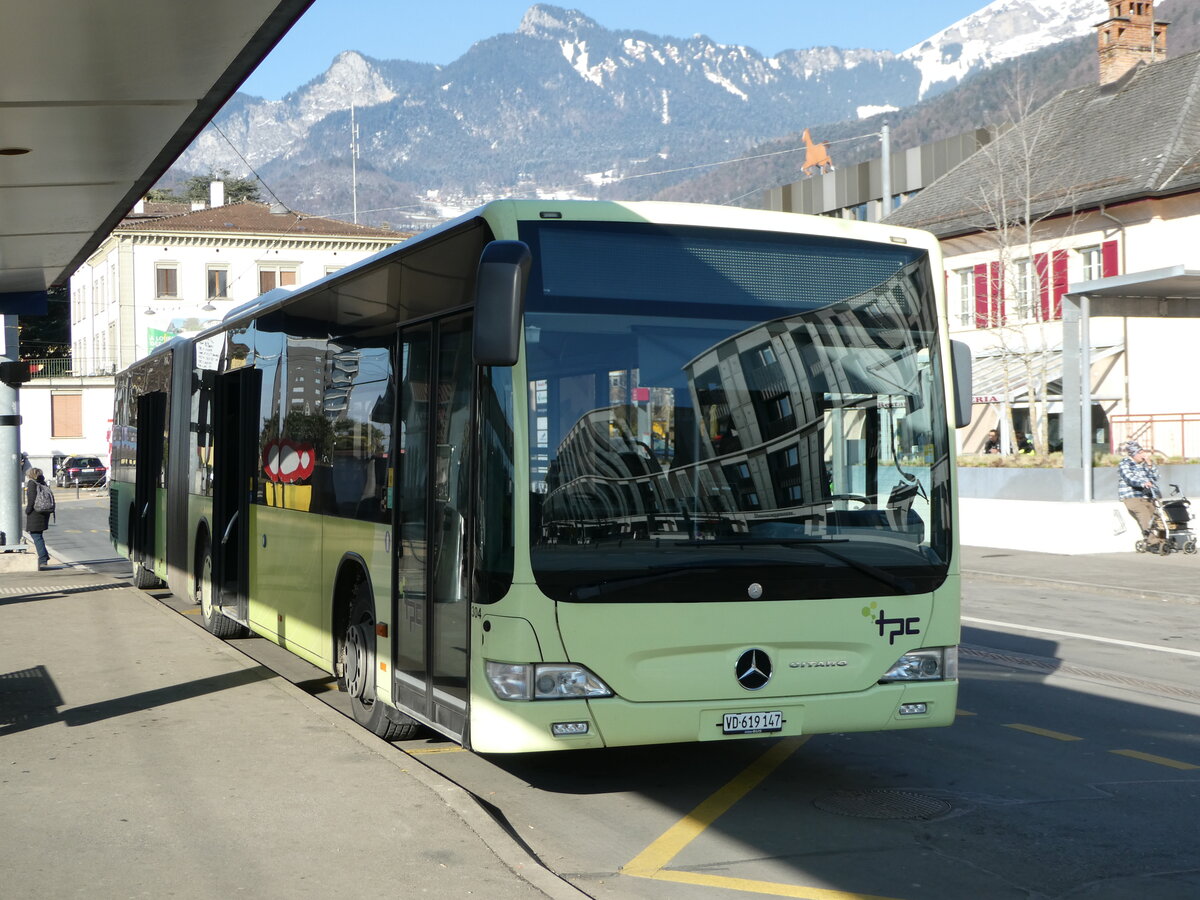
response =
{"points": [[204, 588], [358, 660]]}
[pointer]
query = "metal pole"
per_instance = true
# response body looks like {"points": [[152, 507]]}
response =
{"points": [[1085, 394], [354, 162], [886, 162], [10, 441]]}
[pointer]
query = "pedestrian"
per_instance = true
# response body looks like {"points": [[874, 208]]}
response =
{"points": [[39, 507], [992, 444], [1137, 486]]}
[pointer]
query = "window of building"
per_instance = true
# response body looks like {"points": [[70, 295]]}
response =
{"points": [[964, 281], [1025, 288], [1093, 263], [166, 280], [66, 415], [218, 282], [271, 277]]}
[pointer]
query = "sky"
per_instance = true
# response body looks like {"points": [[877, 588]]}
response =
{"points": [[442, 31]]}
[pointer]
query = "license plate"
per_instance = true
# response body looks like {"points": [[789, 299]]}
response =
{"points": [[752, 722], [87, 470]]}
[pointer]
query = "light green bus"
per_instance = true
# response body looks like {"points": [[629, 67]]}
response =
{"points": [[562, 475]]}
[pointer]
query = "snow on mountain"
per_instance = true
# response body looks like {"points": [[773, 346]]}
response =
{"points": [[563, 101], [1001, 30]]}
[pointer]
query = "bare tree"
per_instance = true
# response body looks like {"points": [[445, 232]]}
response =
{"points": [[1028, 178]]}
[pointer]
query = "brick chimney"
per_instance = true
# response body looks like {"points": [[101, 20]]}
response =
{"points": [[1130, 35]]}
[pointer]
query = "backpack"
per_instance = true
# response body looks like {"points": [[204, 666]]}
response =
{"points": [[43, 501]]}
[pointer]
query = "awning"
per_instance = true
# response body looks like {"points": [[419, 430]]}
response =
{"points": [[997, 377]]}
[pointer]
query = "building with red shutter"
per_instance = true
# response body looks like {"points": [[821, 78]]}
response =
{"points": [[1098, 190]]}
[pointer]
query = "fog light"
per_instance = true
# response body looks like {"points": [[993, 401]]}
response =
{"points": [[913, 709], [563, 729]]}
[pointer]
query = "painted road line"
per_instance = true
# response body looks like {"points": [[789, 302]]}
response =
{"points": [[652, 862], [762, 887], [1157, 760], [189, 612], [429, 751], [647, 863], [963, 712], [1044, 732], [1086, 637]]}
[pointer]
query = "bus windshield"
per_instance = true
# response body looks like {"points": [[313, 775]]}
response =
{"points": [[722, 415]]}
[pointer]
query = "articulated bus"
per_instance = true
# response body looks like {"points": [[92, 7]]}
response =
{"points": [[576, 474]]}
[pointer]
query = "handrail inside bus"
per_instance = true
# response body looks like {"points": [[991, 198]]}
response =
{"points": [[229, 528]]}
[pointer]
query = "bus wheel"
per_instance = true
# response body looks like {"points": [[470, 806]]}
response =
{"points": [[358, 671], [143, 578], [216, 624]]}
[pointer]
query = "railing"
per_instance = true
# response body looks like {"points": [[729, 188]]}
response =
{"points": [[1169, 433], [70, 367]]}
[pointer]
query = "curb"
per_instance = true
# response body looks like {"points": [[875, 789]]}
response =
{"points": [[470, 809], [1106, 589]]}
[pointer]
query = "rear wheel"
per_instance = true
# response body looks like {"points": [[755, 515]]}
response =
{"points": [[217, 624], [359, 667]]}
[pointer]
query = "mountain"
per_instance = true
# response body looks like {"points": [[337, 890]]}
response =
{"points": [[565, 107]]}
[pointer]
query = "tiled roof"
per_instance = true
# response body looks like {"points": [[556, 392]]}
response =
{"points": [[250, 217], [1137, 137]]}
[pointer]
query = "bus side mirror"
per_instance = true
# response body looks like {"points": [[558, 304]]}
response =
{"points": [[500, 302], [960, 366]]}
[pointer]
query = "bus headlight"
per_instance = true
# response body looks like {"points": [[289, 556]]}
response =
{"points": [[932, 664], [544, 681]]}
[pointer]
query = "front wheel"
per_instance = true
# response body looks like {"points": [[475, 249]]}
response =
{"points": [[1189, 547], [359, 667], [1140, 546]]}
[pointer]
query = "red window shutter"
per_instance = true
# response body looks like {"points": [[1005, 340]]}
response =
{"points": [[996, 280], [1108, 259], [981, 296], [1041, 264], [1059, 283]]}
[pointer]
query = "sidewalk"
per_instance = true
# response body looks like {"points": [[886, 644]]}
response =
{"points": [[1174, 578], [141, 757]]}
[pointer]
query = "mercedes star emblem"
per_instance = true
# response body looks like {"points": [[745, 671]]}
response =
{"points": [[753, 669]]}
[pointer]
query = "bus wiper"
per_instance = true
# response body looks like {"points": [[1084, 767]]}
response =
{"points": [[607, 587], [821, 544]]}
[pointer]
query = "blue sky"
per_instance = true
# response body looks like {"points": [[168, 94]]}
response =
{"points": [[440, 32]]}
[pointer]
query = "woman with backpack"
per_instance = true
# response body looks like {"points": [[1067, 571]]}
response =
{"points": [[39, 506]]}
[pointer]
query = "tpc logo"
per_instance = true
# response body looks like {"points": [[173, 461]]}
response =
{"points": [[898, 627]]}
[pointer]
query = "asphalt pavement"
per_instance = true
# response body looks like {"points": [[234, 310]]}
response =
{"points": [[142, 757]]}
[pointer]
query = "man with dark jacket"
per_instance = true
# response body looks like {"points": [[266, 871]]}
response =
{"points": [[37, 520]]}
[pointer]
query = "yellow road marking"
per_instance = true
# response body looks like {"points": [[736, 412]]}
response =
{"points": [[1044, 732], [1158, 760], [687, 829], [651, 862], [963, 712], [189, 612], [761, 887], [426, 751]]}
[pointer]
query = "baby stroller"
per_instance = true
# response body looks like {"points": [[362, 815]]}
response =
{"points": [[1171, 518]]}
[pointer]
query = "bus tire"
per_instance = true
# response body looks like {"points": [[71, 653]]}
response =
{"points": [[143, 578], [356, 652], [215, 623]]}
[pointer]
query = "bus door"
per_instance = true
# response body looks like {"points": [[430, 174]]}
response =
{"points": [[151, 423], [235, 464], [433, 512]]}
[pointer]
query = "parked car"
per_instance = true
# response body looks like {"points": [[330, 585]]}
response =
{"points": [[80, 470]]}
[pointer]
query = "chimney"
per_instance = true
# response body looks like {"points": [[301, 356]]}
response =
{"points": [[1130, 35], [216, 194]]}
